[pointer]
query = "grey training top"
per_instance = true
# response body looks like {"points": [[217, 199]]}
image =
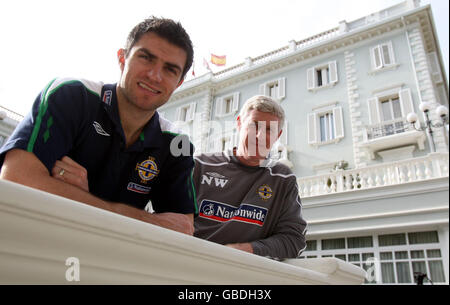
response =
{"points": [[239, 204]]}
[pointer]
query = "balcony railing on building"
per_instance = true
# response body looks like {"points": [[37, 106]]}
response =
{"points": [[388, 128], [434, 165], [391, 134]]}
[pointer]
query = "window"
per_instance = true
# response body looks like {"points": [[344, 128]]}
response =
{"points": [[325, 126], [275, 89], [394, 261], [185, 113], [360, 242], [311, 245], [227, 105], [423, 237], [391, 240], [338, 243], [322, 76], [382, 56], [387, 113]]}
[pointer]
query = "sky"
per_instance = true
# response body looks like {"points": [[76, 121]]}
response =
{"points": [[41, 40]]}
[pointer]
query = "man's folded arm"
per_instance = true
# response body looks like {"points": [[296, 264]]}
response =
{"points": [[24, 167]]}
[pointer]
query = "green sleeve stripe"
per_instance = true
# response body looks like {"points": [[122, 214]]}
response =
{"points": [[193, 191], [37, 124], [44, 105]]}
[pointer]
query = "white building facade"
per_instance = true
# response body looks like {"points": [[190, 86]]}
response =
{"points": [[373, 188]]}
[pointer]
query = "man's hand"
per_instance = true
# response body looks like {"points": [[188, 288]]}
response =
{"points": [[247, 247], [71, 172], [183, 223]]}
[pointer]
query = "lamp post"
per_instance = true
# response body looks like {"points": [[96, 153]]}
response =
{"points": [[441, 111]]}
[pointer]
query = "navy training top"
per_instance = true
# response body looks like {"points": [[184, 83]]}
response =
{"points": [[80, 119]]}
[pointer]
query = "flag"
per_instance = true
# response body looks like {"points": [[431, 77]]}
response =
{"points": [[193, 68], [206, 65], [218, 60]]}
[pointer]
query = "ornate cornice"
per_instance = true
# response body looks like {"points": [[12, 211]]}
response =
{"points": [[288, 55]]}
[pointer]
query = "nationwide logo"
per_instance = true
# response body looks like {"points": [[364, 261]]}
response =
{"points": [[222, 212], [219, 180], [147, 169]]}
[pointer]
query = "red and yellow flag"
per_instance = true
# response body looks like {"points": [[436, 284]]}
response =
{"points": [[218, 60]]}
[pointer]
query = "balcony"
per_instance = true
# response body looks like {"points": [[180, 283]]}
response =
{"points": [[391, 134], [434, 165], [47, 239]]}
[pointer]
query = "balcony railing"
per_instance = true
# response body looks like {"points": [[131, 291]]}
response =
{"points": [[47, 239], [391, 134], [435, 165], [388, 128]]}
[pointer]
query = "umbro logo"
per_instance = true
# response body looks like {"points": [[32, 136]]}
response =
{"points": [[217, 178], [99, 129]]}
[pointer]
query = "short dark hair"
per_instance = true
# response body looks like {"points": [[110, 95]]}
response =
{"points": [[168, 29]]}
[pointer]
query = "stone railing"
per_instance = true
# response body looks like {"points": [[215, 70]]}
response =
{"points": [[435, 165], [47, 239]]}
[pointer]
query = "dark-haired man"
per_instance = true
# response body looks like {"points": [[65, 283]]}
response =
{"points": [[105, 144]]}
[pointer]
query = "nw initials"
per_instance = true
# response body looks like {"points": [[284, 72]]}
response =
{"points": [[218, 181]]}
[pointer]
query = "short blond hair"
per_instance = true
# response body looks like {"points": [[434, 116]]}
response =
{"points": [[264, 104]]}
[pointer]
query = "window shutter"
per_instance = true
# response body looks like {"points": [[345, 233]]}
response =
{"points": [[376, 58], [235, 107], [310, 79], [387, 57], [282, 88], [406, 102], [312, 128], [333, 72], [219, 107], [338, 122], [374, 111], [391, 52], [190, 112]]}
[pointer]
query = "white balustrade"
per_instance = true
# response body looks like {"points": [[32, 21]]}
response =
{"points": [[434, 165]]}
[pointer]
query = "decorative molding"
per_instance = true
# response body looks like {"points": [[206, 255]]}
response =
{"points": [[307, 49], [380, 215], [354, 107]]}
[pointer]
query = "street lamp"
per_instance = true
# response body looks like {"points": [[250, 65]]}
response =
{"points": [[441, 111]]}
